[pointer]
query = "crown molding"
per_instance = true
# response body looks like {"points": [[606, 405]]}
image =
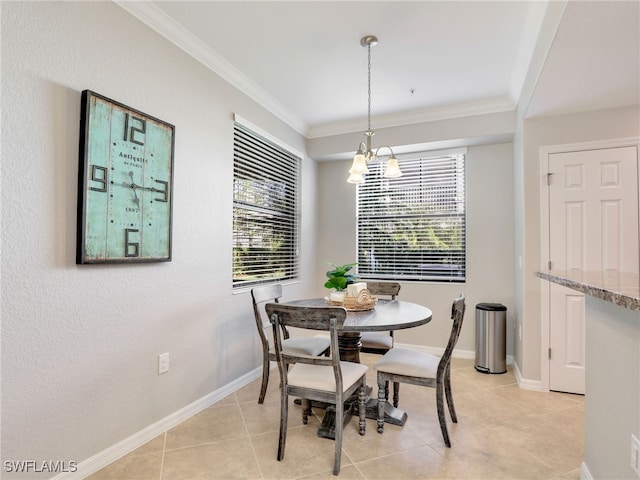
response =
{"points": [[158, 20], [484, 107], [155, 18]]}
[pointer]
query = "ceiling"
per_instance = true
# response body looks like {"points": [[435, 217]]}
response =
{"points": [[435, 59]]}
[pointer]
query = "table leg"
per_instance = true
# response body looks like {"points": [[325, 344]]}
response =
{"points": [[349, 345]]}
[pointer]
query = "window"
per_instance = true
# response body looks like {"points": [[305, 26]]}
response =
{"points": [[413, 227], [266, 179]]}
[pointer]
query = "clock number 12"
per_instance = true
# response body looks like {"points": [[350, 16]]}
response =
{"points": [[131, 130]]}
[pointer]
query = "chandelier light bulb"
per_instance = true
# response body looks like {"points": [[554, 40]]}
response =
{"points": [[393, 169]]}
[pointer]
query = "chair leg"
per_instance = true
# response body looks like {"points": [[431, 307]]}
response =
{"points": [[381, 403], [306, 410], [447, 391], [362, 410], [396, 394], [265, 379], [284, 413], [338, 434], [441, 417]]}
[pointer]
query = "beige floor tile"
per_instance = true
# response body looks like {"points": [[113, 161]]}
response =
{"points": [[350, 472], [498, 451], [484, 409], [305, 454], [210, 425], [266, 417], [132, 467], [153, 446], [540, 402], [224, 460], [251, 392], [373, 444], [554, 438], [418, 463]]}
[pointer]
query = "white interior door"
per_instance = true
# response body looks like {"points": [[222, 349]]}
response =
{"points": [[593, 226]]}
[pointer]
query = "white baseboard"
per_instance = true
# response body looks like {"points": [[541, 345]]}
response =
{"points": [[585, 474], [113, 453], [524, 383]]}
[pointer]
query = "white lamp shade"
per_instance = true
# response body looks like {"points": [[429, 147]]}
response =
{"points": [[393, 169], [359, 165], [355, 178]]}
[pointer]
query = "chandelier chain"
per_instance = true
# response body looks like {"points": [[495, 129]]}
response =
{"points": [[369, 88]]}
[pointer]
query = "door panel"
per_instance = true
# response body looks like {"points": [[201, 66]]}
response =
{"points": [[593, 226]]}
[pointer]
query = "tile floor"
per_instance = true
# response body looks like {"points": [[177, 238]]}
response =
{"points": [[503, 432]]}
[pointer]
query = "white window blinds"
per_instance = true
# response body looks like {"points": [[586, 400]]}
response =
{"points": [[266, 179], [413, 227]]}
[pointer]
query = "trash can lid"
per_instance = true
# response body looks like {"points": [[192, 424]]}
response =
{"points": [[493, 307]]}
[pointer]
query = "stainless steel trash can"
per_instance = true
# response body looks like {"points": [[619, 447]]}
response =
{"points": [[491, 341]]}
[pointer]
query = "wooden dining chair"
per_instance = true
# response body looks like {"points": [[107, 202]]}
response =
{"points": [[307, 345], [380, 343], [419, 368], [324, 379]]}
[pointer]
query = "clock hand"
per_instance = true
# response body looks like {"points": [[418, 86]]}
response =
{"points": [[133, 187], [151, 189]]}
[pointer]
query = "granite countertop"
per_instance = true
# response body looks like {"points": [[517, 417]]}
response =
{"points": [[621, 289]]}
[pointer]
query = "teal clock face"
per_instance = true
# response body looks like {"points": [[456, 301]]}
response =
{"points": [[124, 184]]}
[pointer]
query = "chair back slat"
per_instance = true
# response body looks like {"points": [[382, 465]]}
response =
{"points": [[266, 293], [260, 295], [457, 315], [390, 289]]}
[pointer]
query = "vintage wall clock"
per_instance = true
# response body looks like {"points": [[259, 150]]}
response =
{"points": [[125, 184]]}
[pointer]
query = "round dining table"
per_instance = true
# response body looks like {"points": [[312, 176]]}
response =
{"points": [[387, 315]]}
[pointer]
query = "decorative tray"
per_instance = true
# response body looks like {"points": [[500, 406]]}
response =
{"points": [[364, 301]]}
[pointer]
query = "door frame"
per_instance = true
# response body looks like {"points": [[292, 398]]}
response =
{"points": [[545, 151]]}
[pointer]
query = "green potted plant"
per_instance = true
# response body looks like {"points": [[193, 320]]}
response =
{"points": [[340, 277]]}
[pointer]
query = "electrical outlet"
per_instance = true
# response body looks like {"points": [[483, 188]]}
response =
{"points": [[635, 454], [163, 363]]}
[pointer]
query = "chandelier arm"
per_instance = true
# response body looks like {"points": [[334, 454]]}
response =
{"points": [[385, 146]]}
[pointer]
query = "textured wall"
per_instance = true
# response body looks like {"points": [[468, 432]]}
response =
{"points": [[80, 343]]}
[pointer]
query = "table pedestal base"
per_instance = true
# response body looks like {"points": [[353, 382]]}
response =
{"points": [[392, 415]]}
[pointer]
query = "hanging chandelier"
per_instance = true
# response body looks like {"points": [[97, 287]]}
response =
{"points": [[365, 153]]}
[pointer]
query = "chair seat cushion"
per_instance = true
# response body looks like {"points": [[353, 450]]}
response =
{"points": [[377, 340], [401, 361], [320, 377], [313, 346]]}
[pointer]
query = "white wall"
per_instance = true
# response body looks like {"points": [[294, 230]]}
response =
{"points": [[612, 402], [490, 267], [601, 125], [80, 343]]}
